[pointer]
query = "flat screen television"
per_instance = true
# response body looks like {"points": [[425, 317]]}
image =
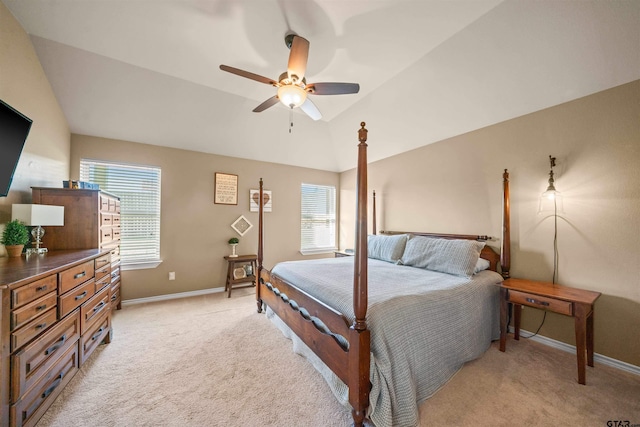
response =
{"points": [[14, 128]]}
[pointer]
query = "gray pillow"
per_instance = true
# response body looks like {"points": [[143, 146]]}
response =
{"points": [[386, 248], [452, 256]]}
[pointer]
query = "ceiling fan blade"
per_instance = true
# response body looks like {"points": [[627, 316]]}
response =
{"points": [[298, 57], [311, 110], [266, 104], [333, 88], [248, 75]]}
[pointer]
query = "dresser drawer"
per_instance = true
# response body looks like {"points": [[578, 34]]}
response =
{"points": [[102, 282], [103, 261], [93, 337], [75, 297], [72, 277], [32, 310], [106, 235], [533, 300], [91, 310], [106, 219], [115, 295], [116, 233], [30, 363], [27, 410], [38, 325], [32, 291]]}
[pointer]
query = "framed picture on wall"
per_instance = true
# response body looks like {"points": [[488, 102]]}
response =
{"points": [[254, 200], [226, 189]]}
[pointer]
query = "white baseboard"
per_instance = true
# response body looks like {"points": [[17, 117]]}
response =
{"points": [[597, 358], [172, 296]]}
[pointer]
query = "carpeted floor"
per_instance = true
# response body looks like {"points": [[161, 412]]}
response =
{"points": [[213, 361]]}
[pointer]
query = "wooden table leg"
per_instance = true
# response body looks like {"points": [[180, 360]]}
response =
{"points": [[581, 314], [517, 315], [229, 276], [503, 318], [590, 338]]}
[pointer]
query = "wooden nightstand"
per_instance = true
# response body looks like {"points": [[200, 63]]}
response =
{"points": [[573, 302], [237, 272]]}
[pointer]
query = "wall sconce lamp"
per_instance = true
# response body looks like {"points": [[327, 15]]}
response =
{"points": [[551, 199], [37, 216]]}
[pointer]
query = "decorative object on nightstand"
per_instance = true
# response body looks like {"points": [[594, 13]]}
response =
{"points": [[37, 216], [240, 270], [574, 302], [14, 236], [346, 252], [233, 242]]}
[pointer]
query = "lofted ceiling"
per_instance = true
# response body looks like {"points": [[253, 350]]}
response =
{"points": [[148, 70]]}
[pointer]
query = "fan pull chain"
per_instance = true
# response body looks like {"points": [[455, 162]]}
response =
{"points": [[290, 119]]}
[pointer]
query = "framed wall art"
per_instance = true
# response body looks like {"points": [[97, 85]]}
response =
{"points": [[241, 225], [254, 200], [226, 189]]}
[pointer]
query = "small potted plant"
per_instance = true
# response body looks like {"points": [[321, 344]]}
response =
{"points": [[233, 242], [14, 237]]}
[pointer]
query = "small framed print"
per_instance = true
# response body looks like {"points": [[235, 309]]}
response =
{"points": [[254, 200], [241, 225], [226, 189]]}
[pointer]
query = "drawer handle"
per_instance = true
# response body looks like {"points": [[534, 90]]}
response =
{"points": [[533, 301], [56, 346], [41, 307], [54, 385], [97, 334], [41, 325], [79, 275], [114, 297], [82, 295], [99, 306], [41, 288]]}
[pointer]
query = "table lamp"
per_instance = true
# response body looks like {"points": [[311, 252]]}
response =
{"points": [[37, 216]]}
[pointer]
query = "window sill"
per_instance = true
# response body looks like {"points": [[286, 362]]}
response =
{"points": [[318, 251], [143, 265]]}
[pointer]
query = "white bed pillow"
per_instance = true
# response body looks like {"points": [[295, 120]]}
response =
{"points": [[482, 264], [386, 248], [452, 256]]}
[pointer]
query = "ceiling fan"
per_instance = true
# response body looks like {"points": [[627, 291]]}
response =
{"points": [[292, 84]]}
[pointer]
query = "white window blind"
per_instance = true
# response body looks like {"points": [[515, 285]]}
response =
{"points": [[139, 190], [318, 219]]}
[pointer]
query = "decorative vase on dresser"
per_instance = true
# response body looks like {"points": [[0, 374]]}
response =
{"points": [[92, 220]]}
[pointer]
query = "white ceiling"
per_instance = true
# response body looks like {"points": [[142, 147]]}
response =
{"points": [[147, 70]]}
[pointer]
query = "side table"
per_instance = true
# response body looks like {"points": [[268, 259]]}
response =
{"points": [[240, 269], [577, 303]]}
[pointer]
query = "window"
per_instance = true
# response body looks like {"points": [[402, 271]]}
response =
{"points": [[318, 219], [139, 190]]}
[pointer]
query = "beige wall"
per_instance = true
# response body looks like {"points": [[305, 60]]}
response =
{"points": [[194, 231], [24, 86], [455, 186]]}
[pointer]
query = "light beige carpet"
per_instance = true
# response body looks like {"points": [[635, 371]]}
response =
{"points": [[213, 361]]}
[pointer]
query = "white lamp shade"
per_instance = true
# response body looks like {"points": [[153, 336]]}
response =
{"points": [[291, 95], [33, 215]]}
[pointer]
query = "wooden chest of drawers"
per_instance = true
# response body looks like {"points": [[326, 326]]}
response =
{"points": [[92, 220], [55, 311]]}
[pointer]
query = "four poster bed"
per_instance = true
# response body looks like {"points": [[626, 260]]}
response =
{"points": [[386, 336]]}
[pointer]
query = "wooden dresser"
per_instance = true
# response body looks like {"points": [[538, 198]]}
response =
{"points": [[55, 311], [92, 220]]}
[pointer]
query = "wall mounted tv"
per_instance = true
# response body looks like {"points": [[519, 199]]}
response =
{"points": [[14, 128]]}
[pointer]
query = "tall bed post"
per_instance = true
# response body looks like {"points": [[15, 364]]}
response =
{"points": [[260, 247], [505, 250], [359, 353]]}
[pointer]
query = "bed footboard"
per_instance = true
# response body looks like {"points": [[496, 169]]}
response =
{"points": [[323, 329]]}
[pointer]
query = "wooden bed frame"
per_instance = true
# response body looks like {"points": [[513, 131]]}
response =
{"points": [[320, 326]]}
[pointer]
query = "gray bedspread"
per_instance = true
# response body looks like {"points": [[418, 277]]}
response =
{"points": [[424, 326]]}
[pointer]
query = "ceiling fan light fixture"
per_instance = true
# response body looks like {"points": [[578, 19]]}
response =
{"points": [[291, 95]]}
